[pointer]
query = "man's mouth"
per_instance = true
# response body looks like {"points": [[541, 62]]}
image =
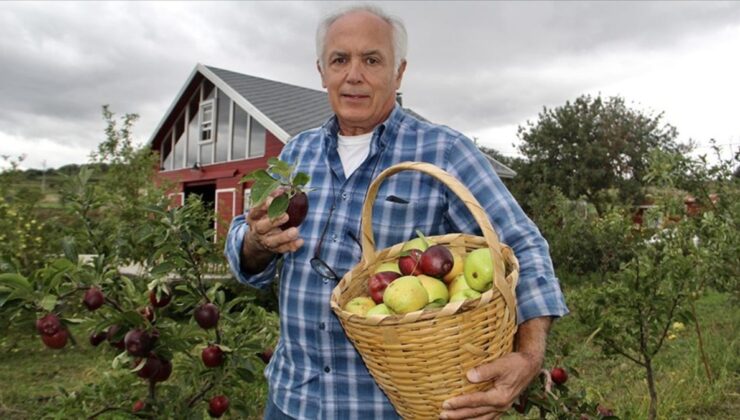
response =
{"points": [[354, 96]]}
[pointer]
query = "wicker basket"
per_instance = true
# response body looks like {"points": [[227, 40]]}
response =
{"points": [[420, 359]]}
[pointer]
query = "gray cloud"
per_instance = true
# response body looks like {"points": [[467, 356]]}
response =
{"points": [[472, 65]]}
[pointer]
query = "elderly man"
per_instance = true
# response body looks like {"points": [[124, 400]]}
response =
{"points": [[315, 372]]}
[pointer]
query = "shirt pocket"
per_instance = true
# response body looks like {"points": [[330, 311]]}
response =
{"points": [[395, 222]]}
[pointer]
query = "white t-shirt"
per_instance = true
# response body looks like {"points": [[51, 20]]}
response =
{"points": [[353, 150]]}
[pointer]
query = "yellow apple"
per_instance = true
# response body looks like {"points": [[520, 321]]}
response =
{"points": [[381, 309], [436, 289], [457, 285], [405, 294], [388, 266], [465, 295], [457, 267], [359, 305]]}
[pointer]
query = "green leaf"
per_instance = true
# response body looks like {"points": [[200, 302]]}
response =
{"points": [[15, 281], [48, 302], [278, 206], [277, 166], [261, 190], [70, 249], [162, 268], [258, 175], [301, 179]]}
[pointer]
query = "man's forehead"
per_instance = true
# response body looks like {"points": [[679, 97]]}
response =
{"points": [[358, 31]]}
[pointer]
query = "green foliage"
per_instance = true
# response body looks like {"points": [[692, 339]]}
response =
{"points": [[591, 146], [278, 174]]}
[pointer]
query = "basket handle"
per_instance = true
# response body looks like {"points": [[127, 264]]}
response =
{"points": [[368, 241]]}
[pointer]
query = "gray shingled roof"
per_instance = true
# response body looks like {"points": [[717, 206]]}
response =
{"points": [[292, 108]]}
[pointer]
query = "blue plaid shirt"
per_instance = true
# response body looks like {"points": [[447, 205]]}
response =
{"points": [[315, 371]]}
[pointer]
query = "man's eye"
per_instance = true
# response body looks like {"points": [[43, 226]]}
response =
{"points": [[372, 60], [338, 60]]}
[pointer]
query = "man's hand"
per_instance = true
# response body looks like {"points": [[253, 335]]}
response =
{"points": [[265, 238], [510, 374]]}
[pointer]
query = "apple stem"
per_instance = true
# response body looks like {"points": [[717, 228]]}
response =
{"points": [[200, 394], [152, 391]]}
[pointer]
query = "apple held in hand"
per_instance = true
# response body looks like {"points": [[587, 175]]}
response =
{"points": [[479, 269], [377, 283], [359, 305], [406, 294], [297, 210]]}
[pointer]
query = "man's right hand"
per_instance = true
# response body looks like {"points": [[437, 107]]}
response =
{"points": [[265, 238]]}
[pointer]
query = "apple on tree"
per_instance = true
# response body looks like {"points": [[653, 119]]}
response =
{"points": [[93, 299], [218, 405], [207, 315], [212, 356]]}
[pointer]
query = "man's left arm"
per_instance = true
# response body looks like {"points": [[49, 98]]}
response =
{"points": [[510, 375]]}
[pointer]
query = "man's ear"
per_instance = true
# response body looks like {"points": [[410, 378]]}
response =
{"points": [[321, 73], [399, 74]]}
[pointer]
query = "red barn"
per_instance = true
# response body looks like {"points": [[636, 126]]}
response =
{"points": [[223, 125]]}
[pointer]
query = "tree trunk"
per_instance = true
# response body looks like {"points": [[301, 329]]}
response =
{"points": [[701, 342], [653, 410]]}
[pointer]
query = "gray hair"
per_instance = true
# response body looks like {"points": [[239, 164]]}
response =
{"points": [[398, 32]]}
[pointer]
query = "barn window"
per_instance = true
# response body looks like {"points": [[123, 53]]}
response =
{"points": [[206, 121]]}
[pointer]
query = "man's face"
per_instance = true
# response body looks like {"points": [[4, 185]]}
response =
{"points": [[359, 72]]}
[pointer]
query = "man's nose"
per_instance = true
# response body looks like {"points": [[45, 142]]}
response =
{"points": [[354, 72]]}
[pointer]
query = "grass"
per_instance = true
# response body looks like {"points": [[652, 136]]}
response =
{"points": [[684, 391], [32, 376]]}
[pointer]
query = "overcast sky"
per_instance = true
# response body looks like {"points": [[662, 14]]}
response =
{"points": [[481, 68]]}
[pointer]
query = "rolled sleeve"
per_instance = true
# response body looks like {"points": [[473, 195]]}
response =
{"points": [[232, 251]]}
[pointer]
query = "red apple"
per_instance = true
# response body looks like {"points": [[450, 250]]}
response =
{"points": [[436, 261], [377, 283], [297, 210], [138, 343], [93, 299], [163, 373], [218, 406], [97, 338], [212, 356], [57, 340], [147, 312], [150, 368], [163, 300], [138, 406], [206, 315], [115, 337], [48, 325], [559, 375], [408, 263], [266, 355]]}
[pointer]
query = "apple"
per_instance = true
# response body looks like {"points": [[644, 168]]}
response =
{"points": [[388, 266], [115, 337], [359, 305], [436, 289], [57, 340], [93, 298], [417, 243], [457, 267], [266, 355], [465, 294], [147, 312], [406, 294], [218, 406], [207, 315], [479, 269], [381, 309], [559, 375], [138, 343], [163, 373], [408, 262], [138, 406], [97, 338], [436, 261], [48, 324], [212, 356], [457, 285], [164, 299], [297, 210], [377, 283], [152, 365]]}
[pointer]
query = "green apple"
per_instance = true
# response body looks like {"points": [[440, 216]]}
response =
{"points": [[465, 295], [458, 284], [388, 266], [381, 309], [416, 243], [436, 289], [479, 269], [406, 294], [359, 305]]}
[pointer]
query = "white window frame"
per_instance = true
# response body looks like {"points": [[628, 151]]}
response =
{"points": [[202, 122], [247, 195]]}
